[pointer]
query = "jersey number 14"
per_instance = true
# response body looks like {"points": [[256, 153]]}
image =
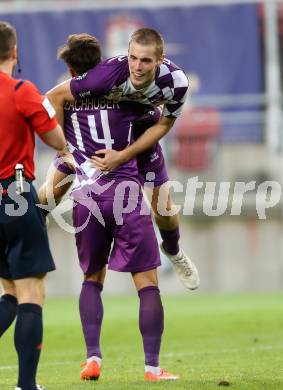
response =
{"points": [[106, 140]]}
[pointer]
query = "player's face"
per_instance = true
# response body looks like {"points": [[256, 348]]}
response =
{"points": [[143, 63]]}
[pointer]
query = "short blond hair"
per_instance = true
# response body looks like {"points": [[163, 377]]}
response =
{"points": [[149, 36]]}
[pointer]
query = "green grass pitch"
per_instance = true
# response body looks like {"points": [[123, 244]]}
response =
{"points": [[208, 339]]}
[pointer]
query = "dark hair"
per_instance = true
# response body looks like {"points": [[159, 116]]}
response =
{"points": [[149, 36], [8, 40], [81, 52]]}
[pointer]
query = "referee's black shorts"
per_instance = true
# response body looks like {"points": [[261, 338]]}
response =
{"points": [[24, 247]]}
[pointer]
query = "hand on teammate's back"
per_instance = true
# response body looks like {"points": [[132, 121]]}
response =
{"points": [[110, 160]]}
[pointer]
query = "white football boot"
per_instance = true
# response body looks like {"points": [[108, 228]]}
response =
{"points": [[185, 269]]}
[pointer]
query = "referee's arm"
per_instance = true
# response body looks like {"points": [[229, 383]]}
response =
{"points": [[55, 138], [40, 114]]}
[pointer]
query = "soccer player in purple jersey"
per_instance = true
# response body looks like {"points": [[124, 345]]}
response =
{"points": [[144, 76], [88, 123]]}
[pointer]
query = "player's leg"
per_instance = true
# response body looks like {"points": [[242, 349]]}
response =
{"points": [[135, 250], [29, 259], [31, 290], [154, 176], [151, 315], [162, 204], [166, 218], [93, 245], [153, 167], [29, 328], [151, 323], [91, 314], [8, 299], [55, 187], [8, 304]]}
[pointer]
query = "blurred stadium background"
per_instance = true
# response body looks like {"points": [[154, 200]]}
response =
{"points": [[230, 130]]}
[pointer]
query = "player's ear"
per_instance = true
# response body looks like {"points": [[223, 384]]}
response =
{"points": [[160, 59], [14, 53]]}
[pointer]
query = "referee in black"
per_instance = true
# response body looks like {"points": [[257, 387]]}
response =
{"points": [[25, 256]]}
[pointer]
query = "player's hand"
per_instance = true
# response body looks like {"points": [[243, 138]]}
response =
{"points": [[67, 158], [107, 159]]}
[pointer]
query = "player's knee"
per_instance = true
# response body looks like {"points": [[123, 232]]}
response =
{"points": [[54, 193], [47, 192], [9, 291], [145, 279], [96, 277], [167, 210], [89, 278], [31, 290], [8, 287], [58, 193], [30, 296], [167, 222], [41, 295], [41, 288]]}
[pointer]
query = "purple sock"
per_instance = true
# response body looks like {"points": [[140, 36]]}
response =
{"points": [[91, 312], [151, 323], [170, 240]]}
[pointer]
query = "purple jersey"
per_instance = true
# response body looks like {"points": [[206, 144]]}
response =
{"points": [[92, 124], [96, 123], [111, 79]]}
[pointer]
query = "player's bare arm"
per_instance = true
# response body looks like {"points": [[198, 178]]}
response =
{"points": [[112, 159], [57, 96]]}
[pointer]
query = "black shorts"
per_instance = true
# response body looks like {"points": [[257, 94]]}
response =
{"points": [[24, 247]]}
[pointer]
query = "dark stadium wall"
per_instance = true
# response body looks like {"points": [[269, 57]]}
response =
{"points": [[219, 44]]}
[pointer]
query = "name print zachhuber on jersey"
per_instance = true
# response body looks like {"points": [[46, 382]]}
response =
{"points": [[91, 104]]}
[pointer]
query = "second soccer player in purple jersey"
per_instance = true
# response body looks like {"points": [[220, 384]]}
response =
{"points": [[111, 79], [146, 77]]}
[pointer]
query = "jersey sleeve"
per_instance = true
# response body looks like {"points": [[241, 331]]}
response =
{"points": [[173, 108], [150, 117], [101, 79], [35, 107]]}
